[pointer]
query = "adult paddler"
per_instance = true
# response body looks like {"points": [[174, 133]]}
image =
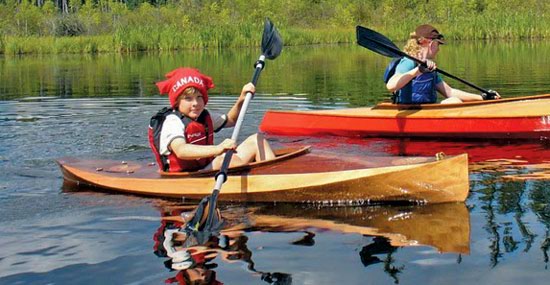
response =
{"points": [[418, 84]]}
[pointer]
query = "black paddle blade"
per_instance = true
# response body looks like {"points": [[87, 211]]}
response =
{"points": [[200, 221], [272, 44], [377, 42]]}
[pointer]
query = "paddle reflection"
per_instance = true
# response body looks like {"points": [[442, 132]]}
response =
{"points": [[445, 227], [194, 262]]}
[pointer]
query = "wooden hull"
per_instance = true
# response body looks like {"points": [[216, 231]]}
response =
{"points": [[307, 178], [514, 118]]}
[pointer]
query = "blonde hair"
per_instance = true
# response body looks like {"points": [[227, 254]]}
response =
{"points": [[412, 47], [187, 91]]}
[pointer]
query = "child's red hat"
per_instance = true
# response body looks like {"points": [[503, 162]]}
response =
{"points": [[181, 78]]}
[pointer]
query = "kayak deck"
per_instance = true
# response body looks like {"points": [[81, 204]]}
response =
{"points": [[533, 106]]}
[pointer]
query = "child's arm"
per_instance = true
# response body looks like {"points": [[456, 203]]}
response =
{"points": [[184, 150], [233, 114]]}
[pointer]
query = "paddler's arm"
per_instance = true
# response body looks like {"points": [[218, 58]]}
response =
{"points": [[399, 80], [233, 114], [405, 72], [187, 151], [449, 92]]}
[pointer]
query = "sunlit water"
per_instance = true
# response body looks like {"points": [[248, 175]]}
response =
{"points": [[99, 107]]}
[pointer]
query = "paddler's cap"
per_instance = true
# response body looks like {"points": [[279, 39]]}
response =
{"points": [[181, 78], [428, 32]]}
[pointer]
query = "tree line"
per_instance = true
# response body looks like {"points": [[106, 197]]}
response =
{"points": [[173, 24]]}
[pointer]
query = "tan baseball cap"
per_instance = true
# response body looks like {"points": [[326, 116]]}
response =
{"points": [[428, 32]]}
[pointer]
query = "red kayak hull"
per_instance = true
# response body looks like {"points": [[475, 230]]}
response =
{"points": [[455, 121], [288, 123]]}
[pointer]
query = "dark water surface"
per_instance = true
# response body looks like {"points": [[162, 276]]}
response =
{"points": [[99, 107]]}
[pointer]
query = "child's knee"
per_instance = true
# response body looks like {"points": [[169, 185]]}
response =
{"points": [[252, 139]]}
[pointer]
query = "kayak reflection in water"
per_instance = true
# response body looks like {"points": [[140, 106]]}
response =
{"points": [[182, 137], [193, 258], [418, 84]]}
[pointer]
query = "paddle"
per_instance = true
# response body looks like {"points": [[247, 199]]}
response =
{"points": [[272, 46], [382, 45]]}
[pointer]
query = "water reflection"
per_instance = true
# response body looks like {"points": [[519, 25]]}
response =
{"points": [[386, 229], [478, 150], [330, 75], [519, 160], [505, 205], [194, 263], [538, 202], [381, 246], [401, 225]]}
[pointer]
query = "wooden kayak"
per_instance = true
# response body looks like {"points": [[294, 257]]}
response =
{"points": [[513, 118], [292, 176]]}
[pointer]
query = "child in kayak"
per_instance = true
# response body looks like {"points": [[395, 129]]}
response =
{"points": [[417, 84], [186, 137]]}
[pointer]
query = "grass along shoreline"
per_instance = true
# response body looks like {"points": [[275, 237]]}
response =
{"points": [[164, 40], [171, 39]]}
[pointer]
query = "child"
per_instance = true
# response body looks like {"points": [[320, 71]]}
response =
{"points": [[186, 140]]}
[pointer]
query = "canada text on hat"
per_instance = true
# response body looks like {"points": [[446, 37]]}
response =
{"points": [[184, 80], [181, 78]]}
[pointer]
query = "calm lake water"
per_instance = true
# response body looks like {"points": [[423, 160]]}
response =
{"points": [[99, 106]]}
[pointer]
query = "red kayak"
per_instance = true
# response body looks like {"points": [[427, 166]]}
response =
{"points": [[513, 118]]}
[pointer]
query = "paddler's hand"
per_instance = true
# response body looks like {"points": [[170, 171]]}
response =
{"points": [[428, 66], [249, 87], [227, 144], [490, 95]]}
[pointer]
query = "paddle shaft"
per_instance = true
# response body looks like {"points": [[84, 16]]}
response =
{"points": [[221, 176], [448, 74]]}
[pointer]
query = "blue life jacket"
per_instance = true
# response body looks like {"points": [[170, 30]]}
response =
{"points": [[423, 86], [390, 69], [389, 72], [423, 90]]}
